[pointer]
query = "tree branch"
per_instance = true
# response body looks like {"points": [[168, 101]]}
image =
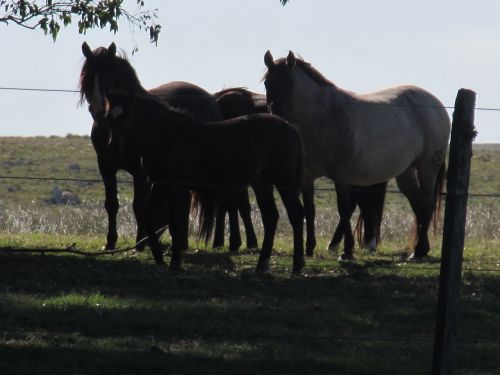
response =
{"points": [[50, 16]]}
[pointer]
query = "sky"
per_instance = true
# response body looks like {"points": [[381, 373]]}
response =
{"points": [[362, 46]]}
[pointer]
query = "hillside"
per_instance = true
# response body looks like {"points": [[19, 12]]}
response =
{"points": [[73, 157]]}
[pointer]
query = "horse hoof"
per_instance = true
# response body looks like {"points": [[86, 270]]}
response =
{"points": [[345, 257], [234, 250], [108, 247], [310, 251], [417, 257], [310, 246], [371, 246], [140, 249], [333, 248], [160, 263], [252, 245], [175, 266], [298, 266], [262, 267]]}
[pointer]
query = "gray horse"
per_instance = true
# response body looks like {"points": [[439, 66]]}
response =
{"points": [[364, 139]]}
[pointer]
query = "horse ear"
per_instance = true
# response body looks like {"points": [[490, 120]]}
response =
{"points": [[291, 60], [87, 52], [268, 59], [112, 49]]}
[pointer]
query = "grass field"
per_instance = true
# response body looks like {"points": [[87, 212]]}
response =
{"points": [[62, 313]]}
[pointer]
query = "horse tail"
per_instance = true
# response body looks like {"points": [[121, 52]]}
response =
{"points": [[373, 201], [204, 205], [438, 192], [299, 166], [379, 210], [437, 202], [358, 229]]}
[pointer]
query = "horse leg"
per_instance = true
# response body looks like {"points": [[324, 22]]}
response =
{"points": [[141, 191], [155, 200], [270, 216], [310, 215], [339, 230], [295, 211], [220, 223], [409, 185], [430, 175], [111, 203], [371, 204], [234, 223], [345, 212], [245, 213], [179, 203]]}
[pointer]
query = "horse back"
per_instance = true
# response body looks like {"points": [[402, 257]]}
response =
{"points": [[246, 149], [191, 98], [238, 101], [406, 121]]}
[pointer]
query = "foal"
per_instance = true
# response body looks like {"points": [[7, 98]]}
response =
{"points": [[180, 154]]}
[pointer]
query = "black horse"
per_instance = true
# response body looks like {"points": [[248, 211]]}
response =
{"points": [[181, 154], [370, 199], [103, 70], [236, 102]]}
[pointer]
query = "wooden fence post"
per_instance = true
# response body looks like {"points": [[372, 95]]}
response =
{"points": [[462, 135]]}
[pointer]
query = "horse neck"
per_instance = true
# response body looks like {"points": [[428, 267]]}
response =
{"points": [[126, 78], [171, 127], [311, 98]]}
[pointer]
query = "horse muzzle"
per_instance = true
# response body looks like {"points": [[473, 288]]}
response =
{"points": [[97, 115]]}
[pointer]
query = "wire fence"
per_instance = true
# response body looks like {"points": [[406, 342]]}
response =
{"points": [[214, 185], [488, 268], [493, 195], [32, 89]]}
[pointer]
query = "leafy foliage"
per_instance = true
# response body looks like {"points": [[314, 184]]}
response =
{"points": [[50, 15]]}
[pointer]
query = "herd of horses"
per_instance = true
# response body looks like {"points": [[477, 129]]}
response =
{"points": [[189, 149]]}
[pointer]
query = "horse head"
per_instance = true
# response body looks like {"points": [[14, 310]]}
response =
{"points": [[97, 76], [119, 106], [279, 83]]}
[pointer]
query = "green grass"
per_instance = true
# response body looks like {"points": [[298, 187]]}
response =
{"points": [[121, 314], [375, 315]]}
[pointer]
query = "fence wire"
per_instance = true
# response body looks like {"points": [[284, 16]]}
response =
{"points": [[202, 185], [491, 109]]}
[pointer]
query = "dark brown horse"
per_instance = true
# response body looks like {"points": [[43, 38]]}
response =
{"points": [[370, 199], [104, 70], [181, 154], [236, 102]]}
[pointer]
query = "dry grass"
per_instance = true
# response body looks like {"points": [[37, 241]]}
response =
{"points": [[483, 221]]}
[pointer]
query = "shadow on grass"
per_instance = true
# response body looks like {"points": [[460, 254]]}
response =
{"points": [[131, 316]]}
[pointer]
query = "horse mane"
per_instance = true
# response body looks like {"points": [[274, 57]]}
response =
{"points": [[313, 73], [306, 68], [129, 78]]}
